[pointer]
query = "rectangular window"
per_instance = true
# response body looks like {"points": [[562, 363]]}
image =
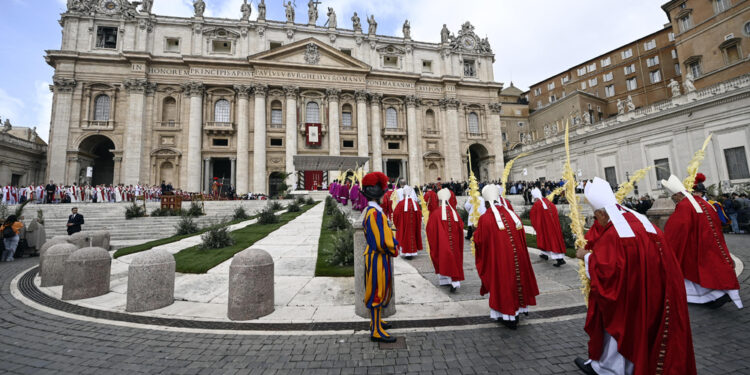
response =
{"points": [[736, 163], [655, 76], [662, 169], [608, 77], [609, 90], [565, 79], [610, 176], [172, 45], [630, 69], [581, 71], [685, 23], [721, 5], [583, 85], [731, 54], [552, 99], [671, 37], [276, 117], [537, 91], [277, 142], [390, 61], [517, 112], [220, 142], [539, 104], [470, 69], [593, 82], [695, 69], [346, 119], [426, 66], [394, 145], [677, 69], [674, 54], [632, 83], [221, 46], [347, 52], [274, 45], [627, 53], [551, 86], [651, 61], [649, 45], [348, 143], [606, 62], [591, 67], [106, 37]]}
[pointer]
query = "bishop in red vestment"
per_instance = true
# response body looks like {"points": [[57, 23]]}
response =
{"points": [[445, 231], [407, 217], [502, 261], [637, 318], [431, 199], [546, 223], [694, 233]]}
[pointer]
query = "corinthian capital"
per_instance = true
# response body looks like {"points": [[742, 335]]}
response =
{"points": [[243, 91], [333, 94], [291, 91], [193, 88], [135, 85], [375, 98], [495, 107], [361, 96], [260, 89], [64, 84], [449, 103], [411, 101]]}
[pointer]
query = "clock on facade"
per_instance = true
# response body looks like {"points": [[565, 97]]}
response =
{"points": [[468, 42], [109, 6]]}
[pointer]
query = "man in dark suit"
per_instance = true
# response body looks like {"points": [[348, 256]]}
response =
{"points": [[75, 220], [50, 191]]}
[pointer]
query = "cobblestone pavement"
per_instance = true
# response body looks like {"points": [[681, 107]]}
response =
{"points": [[34, 342]]}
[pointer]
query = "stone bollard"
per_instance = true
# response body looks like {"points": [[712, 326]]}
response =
{"points": [[360, 244], [80, 239], [100, 238], [251, 293], [86, 273], [150, 281], [52, 263], [49, 243], [659, 213]]}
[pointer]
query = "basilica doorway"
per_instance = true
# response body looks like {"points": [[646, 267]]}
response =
{"points": [[99, 148], [478, 162]]}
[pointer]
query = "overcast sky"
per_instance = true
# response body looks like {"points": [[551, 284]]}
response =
{"points": [[532, 39]]}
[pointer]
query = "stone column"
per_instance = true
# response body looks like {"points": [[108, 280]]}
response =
{"points": [[334, 143], [58, 145], [413, 140], [291, 133], [194, 90], [133, 145], [377, 145], [259, 140], [233, 180], [116, 178], [243, 132], [207, 175], [495, 134], [451, 140], [362, 143]]}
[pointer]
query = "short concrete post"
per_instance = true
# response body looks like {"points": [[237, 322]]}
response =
{"points": [[151, 278], [52, 263], [660, 211], [251, 294], [86, 273], [80, 239], [360, 244], [51, 242], [100, 238]]}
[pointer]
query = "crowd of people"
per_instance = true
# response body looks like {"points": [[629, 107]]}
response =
{"points": [[54, 193], [688, 262]]}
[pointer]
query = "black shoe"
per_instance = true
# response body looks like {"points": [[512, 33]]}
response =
{"points": [[512, 324], [719, 302], [453, 289], [544, 256], [386, 325], [388, 339], [559, 263], [407, 258], [585, 367]]}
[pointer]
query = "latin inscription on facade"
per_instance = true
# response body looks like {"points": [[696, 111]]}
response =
{"points": [[193, 72], [308, 76]]}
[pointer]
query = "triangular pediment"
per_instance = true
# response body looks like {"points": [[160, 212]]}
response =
{"points": [[309, 53]]}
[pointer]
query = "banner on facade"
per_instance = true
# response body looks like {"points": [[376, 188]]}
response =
{"points": [[312, 134]]}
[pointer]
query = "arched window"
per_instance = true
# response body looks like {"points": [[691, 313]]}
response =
{"points": [[473, 123], [346, 116], [391, 118], [169, 111], [276, 113], [312, 113], [101, 108], [430, 119], [221, 111]]}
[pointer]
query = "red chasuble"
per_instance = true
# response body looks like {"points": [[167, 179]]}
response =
{"points": [[638, 297], [699, 245], [387, 205], [408, 227], [503, 264], [431, 199], [546, 223], [446, 239]]}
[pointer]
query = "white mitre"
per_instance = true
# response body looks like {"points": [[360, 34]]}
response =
{"points": [[674, 186], [537, 194], [409, 195], [600, 196], [444, 195]]}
